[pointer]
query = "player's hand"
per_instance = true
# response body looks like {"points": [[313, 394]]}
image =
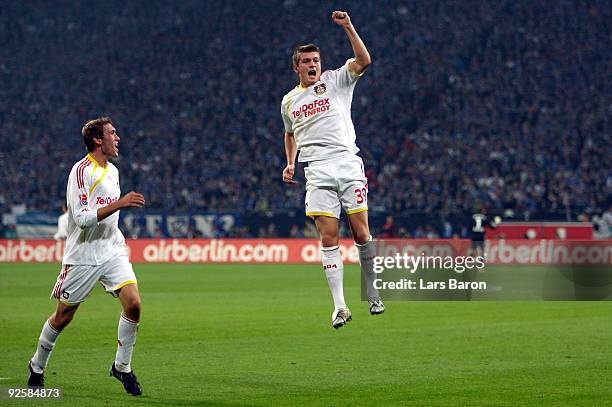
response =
{"points": [[341, 18], [288, 174], [132, 200]]}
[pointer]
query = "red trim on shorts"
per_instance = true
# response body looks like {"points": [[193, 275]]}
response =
{"points": [[58, 286]]}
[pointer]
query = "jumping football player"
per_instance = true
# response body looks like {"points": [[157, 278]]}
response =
{"points": [[317, 119]]}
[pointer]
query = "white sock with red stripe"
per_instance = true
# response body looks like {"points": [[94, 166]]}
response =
{"points": [[125, 345], [46, 343], [334, 271], [367, 251]]}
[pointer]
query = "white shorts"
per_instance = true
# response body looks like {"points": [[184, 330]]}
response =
{"points": [[75, 282], [335, 184]]}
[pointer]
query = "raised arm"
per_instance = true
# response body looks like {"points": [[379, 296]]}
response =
{"points": [[362, 56], [291, 152]]}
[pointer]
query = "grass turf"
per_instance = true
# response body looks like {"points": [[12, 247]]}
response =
{"points": [[261, 335]]}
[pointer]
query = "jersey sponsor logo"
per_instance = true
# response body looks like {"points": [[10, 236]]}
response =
{"points": [[310, 109], [83, 199], [320, 89], [105, 200]]}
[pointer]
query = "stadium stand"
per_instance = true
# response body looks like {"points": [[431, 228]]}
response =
{"points": [[466, 105]]}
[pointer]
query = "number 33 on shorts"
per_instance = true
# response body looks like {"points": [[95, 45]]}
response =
{"points": [[362, 195]]}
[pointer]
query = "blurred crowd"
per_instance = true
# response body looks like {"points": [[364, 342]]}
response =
{"points": [[505, 105]]}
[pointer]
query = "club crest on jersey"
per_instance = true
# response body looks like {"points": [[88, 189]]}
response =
{"points": [[83, 199], [320, 89]]}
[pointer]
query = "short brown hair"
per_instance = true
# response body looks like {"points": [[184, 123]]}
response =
{"points": [[301, 49], [94, 129]]}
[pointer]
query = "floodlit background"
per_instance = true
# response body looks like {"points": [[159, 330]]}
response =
{"points": [[505, 105], [502, 105]]}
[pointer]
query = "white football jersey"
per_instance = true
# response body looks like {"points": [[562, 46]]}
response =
{"points": [[319, 116], [91, 187]]}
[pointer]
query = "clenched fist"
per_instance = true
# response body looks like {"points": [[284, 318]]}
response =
{"points": [[341, 18]]}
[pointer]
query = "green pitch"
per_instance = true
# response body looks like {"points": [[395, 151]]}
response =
{"points": [[261, 335]]}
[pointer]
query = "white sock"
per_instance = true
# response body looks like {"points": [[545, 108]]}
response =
{"points": [[46, 343], [367, 251], [127, 338], [334, 271]]}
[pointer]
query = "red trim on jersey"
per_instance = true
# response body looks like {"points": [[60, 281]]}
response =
{"points": [[80, 172]]}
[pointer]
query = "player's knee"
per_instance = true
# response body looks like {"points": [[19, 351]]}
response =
{"points": [[329, 236], [60, 320], [328, 240], [132, 308], [361, 236]]}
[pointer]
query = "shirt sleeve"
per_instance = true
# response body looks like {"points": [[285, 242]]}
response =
{"points": [[78, 200], [344, 77], [286, 119]]}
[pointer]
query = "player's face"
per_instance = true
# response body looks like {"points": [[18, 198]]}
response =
{"points": [[110, 141], [309, 68]]}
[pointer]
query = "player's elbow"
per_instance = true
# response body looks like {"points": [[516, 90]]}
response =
{"points": [[366, 61], [361, 65], [363, 60]]}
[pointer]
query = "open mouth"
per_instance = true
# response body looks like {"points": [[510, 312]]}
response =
{"points": [[312, 72]]}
